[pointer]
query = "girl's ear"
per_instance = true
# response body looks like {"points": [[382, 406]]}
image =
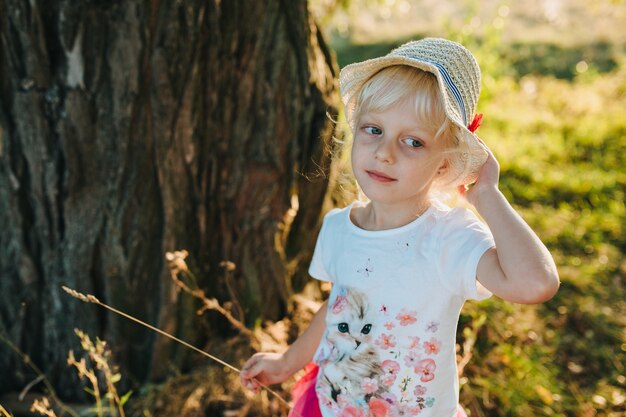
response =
{"points": [[443, 168]]}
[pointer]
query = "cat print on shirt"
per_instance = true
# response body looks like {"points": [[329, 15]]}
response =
{"points": [[354, 356], [365, 369]]}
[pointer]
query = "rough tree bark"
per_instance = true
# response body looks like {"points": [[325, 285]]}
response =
{"points": [[132, 128]]}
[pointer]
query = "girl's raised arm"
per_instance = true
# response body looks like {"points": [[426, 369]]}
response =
{"points": [[520, 268]]}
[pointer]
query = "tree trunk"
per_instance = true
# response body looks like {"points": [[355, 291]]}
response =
{"points": [[132, 128]]}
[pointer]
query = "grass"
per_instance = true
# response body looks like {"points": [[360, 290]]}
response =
{"points": [[560, 142]]}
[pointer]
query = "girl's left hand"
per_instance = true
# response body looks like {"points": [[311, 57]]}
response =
{"points": [[486, 182]]}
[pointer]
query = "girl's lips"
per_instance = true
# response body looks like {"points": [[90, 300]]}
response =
{"points": [[379, 176]]}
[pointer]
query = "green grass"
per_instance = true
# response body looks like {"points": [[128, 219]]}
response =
{"points": [[561, 144]]}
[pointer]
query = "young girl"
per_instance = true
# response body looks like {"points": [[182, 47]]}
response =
{"points": [[403, 264]]}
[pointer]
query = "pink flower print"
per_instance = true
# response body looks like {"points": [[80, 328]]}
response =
{"points": [[390, 370], [411, 359], [341, 401], [379, 407], [389, 325], [407, 410], [389, 397], [330, 404], [326, 401], [415, 410], [339, 304], [386, 341], [390, 366], [388, 379], [426, 367], [432, 347], [369, 385], [351, 411], [419, 391], [415, 342], [432, 326], [407, 317]]}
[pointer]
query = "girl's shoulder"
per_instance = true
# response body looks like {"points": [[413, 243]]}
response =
{"points": [[450, 220], [336, 214], [444, 213], [334, 219]]}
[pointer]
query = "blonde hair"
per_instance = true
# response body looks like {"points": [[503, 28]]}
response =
{"points": [[398, 83]]}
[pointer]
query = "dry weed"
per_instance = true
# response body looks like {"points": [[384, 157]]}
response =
{"points": [[99, 362], [43, 407]]}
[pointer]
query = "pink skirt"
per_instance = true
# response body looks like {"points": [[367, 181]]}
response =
{"points": [[305, 402]]}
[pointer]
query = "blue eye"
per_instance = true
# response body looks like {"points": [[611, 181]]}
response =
{"points": [[372, 130], [343, 327], [412, 142]]}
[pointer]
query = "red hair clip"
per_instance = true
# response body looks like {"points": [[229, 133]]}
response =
{"points": [[478, 120]]}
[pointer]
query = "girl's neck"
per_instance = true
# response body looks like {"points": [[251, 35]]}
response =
{"points": [[379, 216]]}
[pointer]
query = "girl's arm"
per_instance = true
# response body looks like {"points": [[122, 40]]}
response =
{"points": [[520, 268], [273, 368]]}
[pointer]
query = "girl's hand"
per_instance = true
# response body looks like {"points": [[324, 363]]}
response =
{"points": [[486, 182], [264, 368]]}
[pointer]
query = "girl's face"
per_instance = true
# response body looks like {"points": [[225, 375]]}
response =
{"points": [[394, 158]]}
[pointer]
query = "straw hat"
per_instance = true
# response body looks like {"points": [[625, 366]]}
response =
{"points": [[458, 76]]}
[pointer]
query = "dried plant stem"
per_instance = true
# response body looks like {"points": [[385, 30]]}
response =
{"points": [[42, 406], [228, 268], [40, 376], [114, 399], [468, 344], [5, 413], [213, 304], [96, 390], [91, 299], [177, 265], [29, 386], [99, 355]]}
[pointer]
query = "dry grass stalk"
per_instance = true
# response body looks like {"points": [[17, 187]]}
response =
{"points": [[43, 407], [85, 372], [91, 299], [468, 344], [4, 412], [178, 266], [100, 356], [471, 335]]}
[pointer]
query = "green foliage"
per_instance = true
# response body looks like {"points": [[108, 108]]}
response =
{"points": [[561, 147], [561, 62]]}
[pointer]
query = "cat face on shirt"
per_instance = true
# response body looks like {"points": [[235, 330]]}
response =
{"points": [[351, 322]]}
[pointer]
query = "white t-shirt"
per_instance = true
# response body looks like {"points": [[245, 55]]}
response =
{"points": [[389, 344]]}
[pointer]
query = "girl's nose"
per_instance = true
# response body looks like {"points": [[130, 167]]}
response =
{"points": [[384, 151]]}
